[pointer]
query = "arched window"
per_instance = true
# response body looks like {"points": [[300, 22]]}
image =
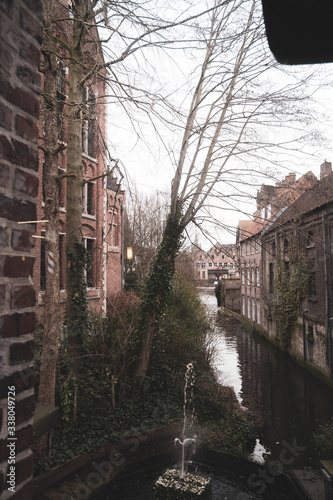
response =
{"points": [[257, 276]]}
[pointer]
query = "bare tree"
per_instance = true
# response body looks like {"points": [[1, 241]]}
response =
{"points": [[72, 40], [232, 106], [145, 221]]}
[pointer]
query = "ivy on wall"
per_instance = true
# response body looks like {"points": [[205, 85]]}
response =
{"points": [[291, 286]]}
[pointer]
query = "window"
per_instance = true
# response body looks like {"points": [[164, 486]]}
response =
{"points": [[310, 240], [88, 121], [89, 244], [215, 264], [243, 276], [243, 304], [203, 265], [88, 198], [197, 265], [257, 245], [269, 211], [252, 276], [210, 264], [203, 275], [61, 98], [252, 248], [271, 277], [312, 284], [247, 249], [242, 249], [61, 194], [310, 333], [114, 233], [257, 276], [248, 307], [248, 276], [258, 311], [273, 249], [285, 246], [253, 309]]}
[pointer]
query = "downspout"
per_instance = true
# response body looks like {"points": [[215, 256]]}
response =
{"points": [[327, 322], [304, 335]]}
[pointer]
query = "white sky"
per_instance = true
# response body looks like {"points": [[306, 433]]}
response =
{"points": [[150, 167]]}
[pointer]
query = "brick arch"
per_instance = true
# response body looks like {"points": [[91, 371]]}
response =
{"points": [[89, 230]]}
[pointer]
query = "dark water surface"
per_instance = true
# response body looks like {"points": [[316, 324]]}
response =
{"points": [[291, 400]]}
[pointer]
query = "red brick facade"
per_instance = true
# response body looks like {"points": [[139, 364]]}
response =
{"points": [[20, 40], [101, 196]]}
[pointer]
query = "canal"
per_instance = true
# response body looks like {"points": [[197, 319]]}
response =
{"points": [[290, 400]]}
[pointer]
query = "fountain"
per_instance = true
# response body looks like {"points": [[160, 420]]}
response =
{"points": [[176, 484]]}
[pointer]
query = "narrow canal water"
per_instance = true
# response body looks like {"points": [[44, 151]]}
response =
{"points": [[291, 400]]}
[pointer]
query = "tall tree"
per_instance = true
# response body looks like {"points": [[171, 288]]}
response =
{"points": [[72, 39], [50, 147], [230, 119]]}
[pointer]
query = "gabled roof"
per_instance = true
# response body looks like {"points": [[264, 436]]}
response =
{"points": [[286, 193], [249, 228], [313, 198]]}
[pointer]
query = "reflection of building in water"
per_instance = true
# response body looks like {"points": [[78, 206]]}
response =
{"points": [[289, 401]]}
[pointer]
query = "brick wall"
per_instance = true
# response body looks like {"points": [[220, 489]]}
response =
{"points": [[20, 38]]}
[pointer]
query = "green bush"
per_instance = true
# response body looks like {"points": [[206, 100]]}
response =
{"points": [[105, 411]]}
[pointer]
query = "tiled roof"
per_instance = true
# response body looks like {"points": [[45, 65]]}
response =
{"points": [[286, 194], [313, 198], [249, 228]]}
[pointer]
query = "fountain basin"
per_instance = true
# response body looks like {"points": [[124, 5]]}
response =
{"points": [[171, 486]]}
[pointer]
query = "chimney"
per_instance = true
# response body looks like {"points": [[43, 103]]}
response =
{"points": [[325, 169]]}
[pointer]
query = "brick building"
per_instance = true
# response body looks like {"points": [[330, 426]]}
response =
{"points": [[217, 263], [102, 196], [303, 233], [271, 201], [20, 39]]}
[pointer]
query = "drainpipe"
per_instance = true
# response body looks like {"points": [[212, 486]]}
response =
{"points": [[304, 335], [327, 322], [330, 347]]}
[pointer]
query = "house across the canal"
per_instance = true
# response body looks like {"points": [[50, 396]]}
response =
{"points": [[286, 266]]}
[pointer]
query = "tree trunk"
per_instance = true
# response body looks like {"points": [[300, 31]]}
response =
{"points": [[52, 318], [75, 272], [156, 291]]}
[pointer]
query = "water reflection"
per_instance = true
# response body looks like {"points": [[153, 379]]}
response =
{"points": [[291, 401]]}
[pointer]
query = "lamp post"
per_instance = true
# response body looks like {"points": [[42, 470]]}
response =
{"points": [[129, 271]]}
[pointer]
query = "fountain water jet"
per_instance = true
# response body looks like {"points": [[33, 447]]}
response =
{"points": [[175, 484]]}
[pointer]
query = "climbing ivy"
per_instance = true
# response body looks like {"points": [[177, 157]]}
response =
{"points": [[291, 286], [77, 315]]}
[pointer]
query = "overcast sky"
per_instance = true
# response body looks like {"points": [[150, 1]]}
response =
{"points": [[148, 160]]}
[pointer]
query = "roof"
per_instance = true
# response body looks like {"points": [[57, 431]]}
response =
{"points": [[313, 198], [286, 193], [249, 228]]}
